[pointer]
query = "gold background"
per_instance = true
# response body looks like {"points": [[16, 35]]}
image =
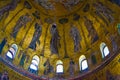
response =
{"points": [[87, 48]]}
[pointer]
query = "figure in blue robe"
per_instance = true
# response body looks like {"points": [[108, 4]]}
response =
{"points": [[22, 61], [36, 36], [2, 44]]}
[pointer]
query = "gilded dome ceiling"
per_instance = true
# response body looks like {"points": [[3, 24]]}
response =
{"points": [[54, 7], [45, 33]]}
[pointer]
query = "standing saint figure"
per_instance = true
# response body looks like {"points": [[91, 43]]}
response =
{"points": [[5, 76], [22, 60], [9, 7], [91, 30], [2, 44], [36, 36], [22, 21], [48, 67], [55, 40], [71, 67], [74, 32]]}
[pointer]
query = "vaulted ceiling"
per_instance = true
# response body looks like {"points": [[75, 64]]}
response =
{"points": [[58, 29]]}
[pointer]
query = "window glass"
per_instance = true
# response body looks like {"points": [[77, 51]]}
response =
{"points": [[33, 67], [104, 50], [59, 66], [83, 63], [34, 63], [9, 55], [12, 51], [59, 69]]}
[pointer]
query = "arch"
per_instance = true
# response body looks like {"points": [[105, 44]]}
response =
{"points": [[104, 50], [35, 60], [59, 66], [83, 63], [12, 51], [34, 63]]}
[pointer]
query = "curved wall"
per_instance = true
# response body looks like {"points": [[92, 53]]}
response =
{"points": [[107, 32]]}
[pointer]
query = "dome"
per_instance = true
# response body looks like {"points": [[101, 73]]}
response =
{"points": [[59, 39]]}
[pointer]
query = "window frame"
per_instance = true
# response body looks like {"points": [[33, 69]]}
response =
{"points": [[82, 65], [102, 48], [59, 63], [13, 51], [82, 58], [35, 62]]}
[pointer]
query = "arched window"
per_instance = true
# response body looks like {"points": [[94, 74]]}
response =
{"points": [[59, 66], [34, 63], [12, 51], [104, 50], [83, 63]]}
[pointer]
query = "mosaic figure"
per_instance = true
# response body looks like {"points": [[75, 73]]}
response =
{"points": [[93, 59], [36, 36], [70, 3], [71, 67], [101, 9], [45, 4], [5, 76], [2, 44], [6, 9], [22, 60], [92, 32], [27, 58], [76, 38], [101, 17], [55, 40], [114, 44], [101, 24], [22, 21], [48, 68], [20, 53]]}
